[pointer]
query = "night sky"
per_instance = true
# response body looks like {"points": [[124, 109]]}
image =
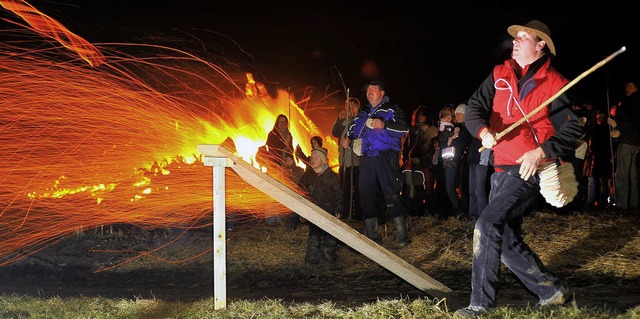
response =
{"points": [[430, 54]]}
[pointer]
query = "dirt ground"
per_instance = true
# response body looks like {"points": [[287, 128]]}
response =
{"points": [[264, 261]]}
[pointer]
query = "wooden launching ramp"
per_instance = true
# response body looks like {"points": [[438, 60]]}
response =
{"points": [[216, 155]]}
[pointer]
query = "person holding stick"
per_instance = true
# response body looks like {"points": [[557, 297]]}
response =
{"points": [[348, 161], [512, 91]]}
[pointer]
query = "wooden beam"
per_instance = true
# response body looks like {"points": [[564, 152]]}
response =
{"points": [[329, 223]]}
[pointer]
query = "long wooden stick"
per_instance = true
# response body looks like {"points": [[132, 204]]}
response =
{"points": [[555, 96]]}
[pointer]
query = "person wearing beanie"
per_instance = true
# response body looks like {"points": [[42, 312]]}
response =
{"points": [[320, 164], [512, 91], [322, 185]]}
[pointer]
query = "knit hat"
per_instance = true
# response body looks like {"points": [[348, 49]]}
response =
{"points": [[537, 27], [461, 108], [321, 153]]}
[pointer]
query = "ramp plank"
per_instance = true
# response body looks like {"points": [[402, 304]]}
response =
{"points": [[334, 226]]}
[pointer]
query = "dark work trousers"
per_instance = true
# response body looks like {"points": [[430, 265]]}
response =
{"points": [[452, 180], [627, 188], [325, 238], [464, 187], [383, 170], [498, 237], [478, 189], [441, 204], [350, 194]]}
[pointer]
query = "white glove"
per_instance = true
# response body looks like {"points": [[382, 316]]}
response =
{"points": [[488, 140]]}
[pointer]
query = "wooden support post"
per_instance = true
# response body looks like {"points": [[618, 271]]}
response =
{"points": [[219, 231]]}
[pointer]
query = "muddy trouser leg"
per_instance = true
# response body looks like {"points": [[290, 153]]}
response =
{"points": [[525, 263], [494, 237]]}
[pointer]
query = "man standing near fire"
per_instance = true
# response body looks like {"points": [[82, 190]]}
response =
{"points": [[513, 90], [380, 128]]}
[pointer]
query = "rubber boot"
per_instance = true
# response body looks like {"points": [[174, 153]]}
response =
{"points": [[313, 250], [329, 245], [291, 223], [401, 230], [371, 228]]}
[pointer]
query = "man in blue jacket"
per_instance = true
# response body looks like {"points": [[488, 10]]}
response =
{"points": [[377, 134]]}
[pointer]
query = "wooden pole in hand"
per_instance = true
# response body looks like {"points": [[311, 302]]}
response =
{"points": [[555, 96]]}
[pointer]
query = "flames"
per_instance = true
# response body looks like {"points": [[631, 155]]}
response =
{"points": [[111, 137]]}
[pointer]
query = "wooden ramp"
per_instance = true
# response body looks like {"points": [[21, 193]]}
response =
{"points": [[328, 222]]}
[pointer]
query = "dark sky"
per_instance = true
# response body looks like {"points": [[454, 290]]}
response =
{"points": [[433, 53]]}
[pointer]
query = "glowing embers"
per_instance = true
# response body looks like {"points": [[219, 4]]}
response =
{"points": [[74, 137]]}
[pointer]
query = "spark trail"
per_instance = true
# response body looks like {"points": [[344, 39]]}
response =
{"points": [[85, 145]]}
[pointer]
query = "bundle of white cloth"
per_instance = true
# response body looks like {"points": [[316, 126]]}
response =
{"points": [[558, 183]]}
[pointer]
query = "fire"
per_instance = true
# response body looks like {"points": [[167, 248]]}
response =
{"points": [[114, 140]]}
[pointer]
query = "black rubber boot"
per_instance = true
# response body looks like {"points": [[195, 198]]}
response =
{"points": [[329, 245], [313, 250], [401, 230], [371, 228], [291, 223]]}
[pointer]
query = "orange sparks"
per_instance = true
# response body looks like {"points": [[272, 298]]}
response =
{"points": [[49, 27], [84, 147]]}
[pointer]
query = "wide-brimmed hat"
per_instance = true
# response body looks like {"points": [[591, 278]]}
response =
{"points": [[537, 27]]}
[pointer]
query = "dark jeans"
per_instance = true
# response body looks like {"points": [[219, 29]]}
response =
{"points": [[478, 189], [627, 187], [382, 170], [440, 205], [498, 237], [452, 180]]}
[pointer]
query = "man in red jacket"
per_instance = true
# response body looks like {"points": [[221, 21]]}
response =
{"points": [[513, 90]]}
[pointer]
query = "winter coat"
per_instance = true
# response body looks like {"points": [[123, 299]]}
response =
{"points": [[324, 189], [389, 138]]}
